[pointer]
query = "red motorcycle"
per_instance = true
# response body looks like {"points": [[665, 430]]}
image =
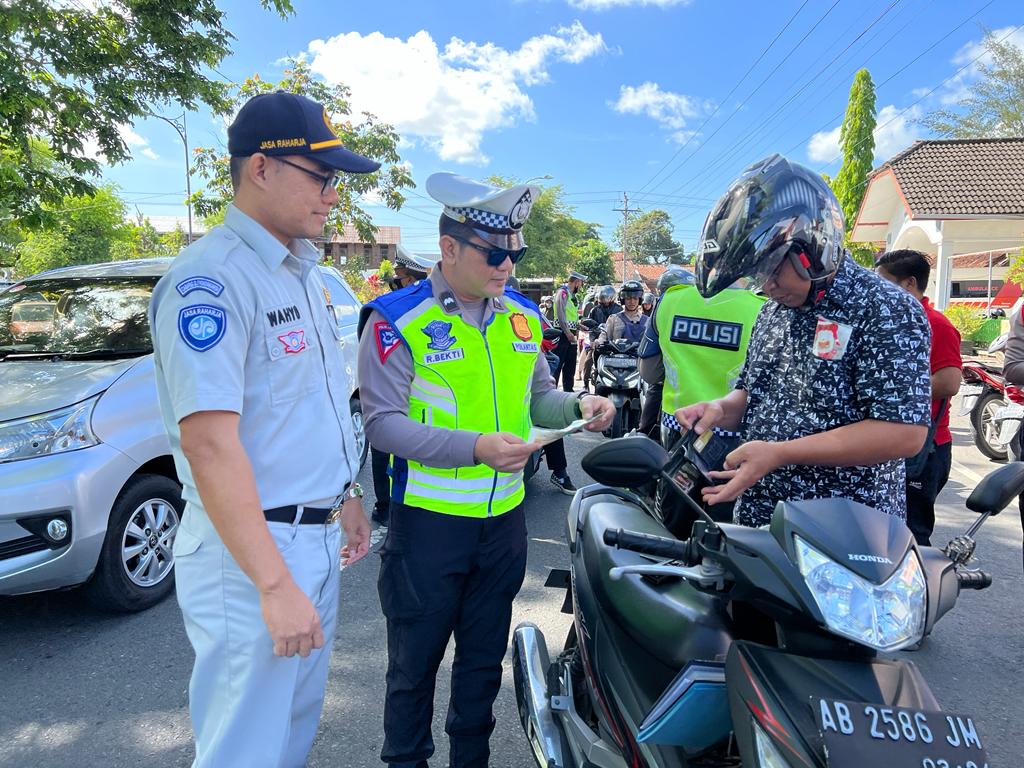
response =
{"points": [[983, 394]]}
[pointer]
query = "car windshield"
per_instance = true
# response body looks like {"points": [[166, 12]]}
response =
{"points": [[78, 316]]}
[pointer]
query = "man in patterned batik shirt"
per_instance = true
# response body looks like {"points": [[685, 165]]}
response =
{"points": [[835, 390]]}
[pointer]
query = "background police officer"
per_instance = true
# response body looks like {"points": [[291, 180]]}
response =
{"points": [[254, 397], [567, 318], [452, 377]]}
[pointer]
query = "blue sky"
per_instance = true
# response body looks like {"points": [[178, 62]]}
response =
{"points": [[666, 100]]}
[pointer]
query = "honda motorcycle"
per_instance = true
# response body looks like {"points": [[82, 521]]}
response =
{"points": [[744, 647], [982, 395]]}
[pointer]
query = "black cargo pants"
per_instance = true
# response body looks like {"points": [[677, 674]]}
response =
{"points": [[442, 575]]}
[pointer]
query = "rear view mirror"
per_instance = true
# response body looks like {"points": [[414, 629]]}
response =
{"points": [[627, 462], [552, 334], [997, 489], [588, 324]]}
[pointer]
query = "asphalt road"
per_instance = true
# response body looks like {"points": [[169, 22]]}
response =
{"points": [[81, 688]]}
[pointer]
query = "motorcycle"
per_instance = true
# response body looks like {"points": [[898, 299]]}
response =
{"points": [[744, 647], [982, 395], [617, 377]]}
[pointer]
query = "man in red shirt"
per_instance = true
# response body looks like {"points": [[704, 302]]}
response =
{"points": [[909, 270]]}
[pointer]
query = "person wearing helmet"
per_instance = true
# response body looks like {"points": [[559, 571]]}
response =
{"points": [[647, 304], [604, 308], [630, 323], [834, 392]]}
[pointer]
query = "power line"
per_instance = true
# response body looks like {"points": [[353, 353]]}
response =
{"points": [[726, 97]]}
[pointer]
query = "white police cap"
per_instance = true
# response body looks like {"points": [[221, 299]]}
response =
{"points": [[496, 214], [414, 262]]}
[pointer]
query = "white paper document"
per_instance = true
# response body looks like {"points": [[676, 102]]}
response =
{"points": [[544, 436]]}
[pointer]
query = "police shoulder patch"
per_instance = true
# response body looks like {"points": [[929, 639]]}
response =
{"points": [[199, 283], [202, 326], [387, 339]]}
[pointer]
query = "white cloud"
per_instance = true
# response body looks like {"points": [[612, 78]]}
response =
{"points": [[960, 86], [670, 110], [894, 132], [91, 147], [447, 98], [603, 5]]}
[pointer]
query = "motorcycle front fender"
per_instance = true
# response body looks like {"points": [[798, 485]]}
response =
{"points": [[617, 398]]}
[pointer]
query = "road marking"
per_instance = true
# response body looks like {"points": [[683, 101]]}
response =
{"points": [[548, 541], [960, 469]]}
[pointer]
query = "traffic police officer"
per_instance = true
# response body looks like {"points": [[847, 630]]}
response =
{"points": [[452, 377], [567, 318], [694, 349], [255, 400]]}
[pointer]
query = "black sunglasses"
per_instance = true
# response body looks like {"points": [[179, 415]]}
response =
{"points": [[495, 256], [331, 181]]}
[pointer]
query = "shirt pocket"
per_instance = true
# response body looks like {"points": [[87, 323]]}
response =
{"points": [[293, 369]]}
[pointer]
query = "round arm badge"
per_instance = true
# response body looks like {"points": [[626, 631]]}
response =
{"points": [[201, 326]]}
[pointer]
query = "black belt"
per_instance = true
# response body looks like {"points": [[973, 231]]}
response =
{"points": [[310, 515]]}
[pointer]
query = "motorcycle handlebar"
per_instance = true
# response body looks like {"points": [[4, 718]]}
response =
{"points": [[974, 579], [646, 544]]}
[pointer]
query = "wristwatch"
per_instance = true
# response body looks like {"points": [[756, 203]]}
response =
{"points": [[579, 402], [354, 491]]}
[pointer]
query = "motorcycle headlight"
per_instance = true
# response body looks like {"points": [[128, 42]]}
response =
{"points": [[887, 616], [767, 753], [66, 429]]}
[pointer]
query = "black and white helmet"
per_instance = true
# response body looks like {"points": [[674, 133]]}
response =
{"points": [[631, 289], [419, 266], [774, 210]]}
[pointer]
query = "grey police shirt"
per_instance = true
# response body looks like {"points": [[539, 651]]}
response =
{"points": [[241, 323], [384, 393]]}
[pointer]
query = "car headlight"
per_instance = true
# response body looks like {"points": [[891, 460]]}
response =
{"points": [[66, 429], [767, 753], [887, 616]]}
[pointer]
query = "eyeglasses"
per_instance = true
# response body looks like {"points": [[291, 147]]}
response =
{"points": [[331, 181], [495, 256]]}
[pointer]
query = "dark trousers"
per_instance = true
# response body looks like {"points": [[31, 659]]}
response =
{"points": [[924, 489], [566, 352], [381, 489], [588, 367], [442, 575], [554, 453], [650, 413]]}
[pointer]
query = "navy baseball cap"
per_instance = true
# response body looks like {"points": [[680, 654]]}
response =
{"points": [[283, 123]]}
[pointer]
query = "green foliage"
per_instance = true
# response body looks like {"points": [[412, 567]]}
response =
{"points": [[367, 137], [965, 319], [648, 239], [1016, 271], [70, 74], [863, 253], [85, 229], [386, 270], [592, 258], [993, 106], [856, 137]]}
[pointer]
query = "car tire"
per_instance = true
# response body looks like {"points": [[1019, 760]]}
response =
{"points": [[148, 505], [981, 425], [359, 429]]}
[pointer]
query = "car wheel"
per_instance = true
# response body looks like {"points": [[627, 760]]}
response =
{"points": [[359, 429], [984, 427], [136, 565]]}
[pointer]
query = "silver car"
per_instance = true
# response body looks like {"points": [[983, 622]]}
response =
{"points": [[88, 490]]}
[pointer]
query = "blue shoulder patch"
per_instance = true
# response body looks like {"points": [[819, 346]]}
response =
{"points": [[199, 283], [202, 326]]}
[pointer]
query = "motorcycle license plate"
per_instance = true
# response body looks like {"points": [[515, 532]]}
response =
{"points": [[858, 734], [621, 362]]}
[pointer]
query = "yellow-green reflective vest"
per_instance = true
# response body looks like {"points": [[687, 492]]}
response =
{"points": [[703, 342], [572, 312], [467, 379]]}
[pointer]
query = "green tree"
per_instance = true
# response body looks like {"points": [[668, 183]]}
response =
{"points": [[368, 137], [85, 229], [593, 258], [648, 239], [857, 140], [71, 73], [993, 106]]}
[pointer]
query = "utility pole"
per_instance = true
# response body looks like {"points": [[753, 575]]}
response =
{"points": [[178, 124], [625, 211]]}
